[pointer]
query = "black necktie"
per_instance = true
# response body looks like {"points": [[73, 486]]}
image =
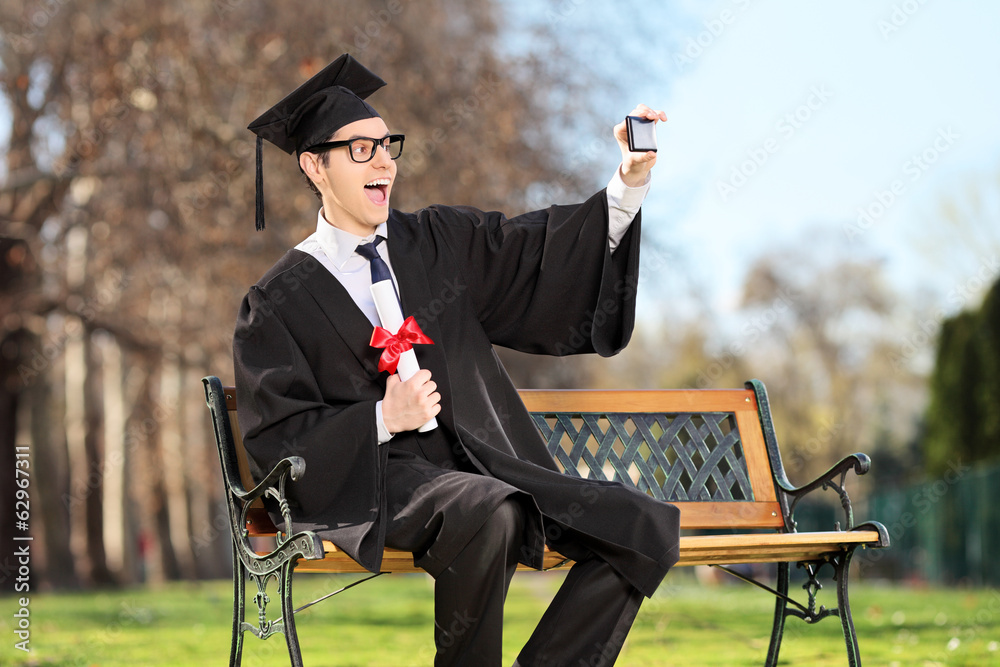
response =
{"points": [[380, 270]]}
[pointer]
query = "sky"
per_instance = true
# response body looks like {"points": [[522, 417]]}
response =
{"points": [[842, 125], [838, 126]]}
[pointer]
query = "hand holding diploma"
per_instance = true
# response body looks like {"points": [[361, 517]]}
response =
{"points": [[403, 398]]}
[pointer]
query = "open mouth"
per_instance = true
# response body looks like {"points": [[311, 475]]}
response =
{"points": [[378, 191]]}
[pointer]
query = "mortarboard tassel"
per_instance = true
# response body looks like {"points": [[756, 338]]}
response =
{"points": [[260, 184]]}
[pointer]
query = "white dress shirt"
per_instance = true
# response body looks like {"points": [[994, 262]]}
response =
{"points": [[335, 249]]}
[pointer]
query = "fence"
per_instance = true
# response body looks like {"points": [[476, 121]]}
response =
{"points": [[944, 531]]}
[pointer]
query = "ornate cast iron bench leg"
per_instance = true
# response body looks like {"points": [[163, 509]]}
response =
{"points": [[780, 614], [239, 609], [266, 628], [841, 564], [844, 605], [288, 613]]}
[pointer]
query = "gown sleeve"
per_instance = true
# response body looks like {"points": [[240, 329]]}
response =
{"points": [[546, 282]]}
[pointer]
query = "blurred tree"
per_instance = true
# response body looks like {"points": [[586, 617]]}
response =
{"points": [[128, 182], [962, 421], [962, 417], [988, 396], [819, 330], [963, 233]]}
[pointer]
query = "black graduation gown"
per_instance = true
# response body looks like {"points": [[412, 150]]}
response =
{"points": [[543, 282]]}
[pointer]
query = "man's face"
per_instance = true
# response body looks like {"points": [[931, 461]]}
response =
{"points": [[355, 195]]}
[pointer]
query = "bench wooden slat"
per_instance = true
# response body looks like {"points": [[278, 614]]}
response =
{"points": [[694, 516], [694, 550], [770, 548], [758, 465], [646, 400], [703, 514], [393, 560], [241, 458]]}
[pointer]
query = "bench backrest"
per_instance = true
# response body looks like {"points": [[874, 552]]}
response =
{"points": [[703, 450]]}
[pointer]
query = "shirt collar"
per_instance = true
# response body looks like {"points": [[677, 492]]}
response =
{"points": [[339, 245]]}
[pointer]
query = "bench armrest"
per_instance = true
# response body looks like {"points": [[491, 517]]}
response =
{"points": [[273, 485], [790, 495], [858, 462], [293, 466]]}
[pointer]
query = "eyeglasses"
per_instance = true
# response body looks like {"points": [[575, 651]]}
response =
{"points": [[362, 149]]}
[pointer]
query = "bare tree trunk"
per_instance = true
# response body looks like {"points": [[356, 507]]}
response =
{"points": [[47, 444], [145, 482], [114, 514], [174, 458], [94, 448], [203, 486], [76, 447], [75, 361], [83, 427]]}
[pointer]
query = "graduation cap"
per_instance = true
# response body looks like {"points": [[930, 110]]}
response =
{"points": [[312, 112]]}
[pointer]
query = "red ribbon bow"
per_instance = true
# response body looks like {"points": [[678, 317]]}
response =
{"points": [[409, 334]]}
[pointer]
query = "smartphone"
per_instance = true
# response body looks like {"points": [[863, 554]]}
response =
{"points": [[641, 134]]}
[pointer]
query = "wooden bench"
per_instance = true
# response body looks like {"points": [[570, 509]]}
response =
{"points": [[712, 453]]}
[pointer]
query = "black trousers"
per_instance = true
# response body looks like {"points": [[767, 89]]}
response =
{"points": [[585, 625]]}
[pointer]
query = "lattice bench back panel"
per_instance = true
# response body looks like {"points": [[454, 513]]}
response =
{"points": [[672, 457], [709, 458]]}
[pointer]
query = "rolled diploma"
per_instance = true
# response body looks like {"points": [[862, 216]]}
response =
{"points": [[389, 312]]}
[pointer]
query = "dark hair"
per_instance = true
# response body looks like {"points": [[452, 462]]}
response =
{"points": [[324, 159]]}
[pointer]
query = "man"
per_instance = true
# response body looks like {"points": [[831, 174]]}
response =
{"points": [[479, 493]]}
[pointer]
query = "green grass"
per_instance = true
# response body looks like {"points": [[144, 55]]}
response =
{"points": [[388, 622]]}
